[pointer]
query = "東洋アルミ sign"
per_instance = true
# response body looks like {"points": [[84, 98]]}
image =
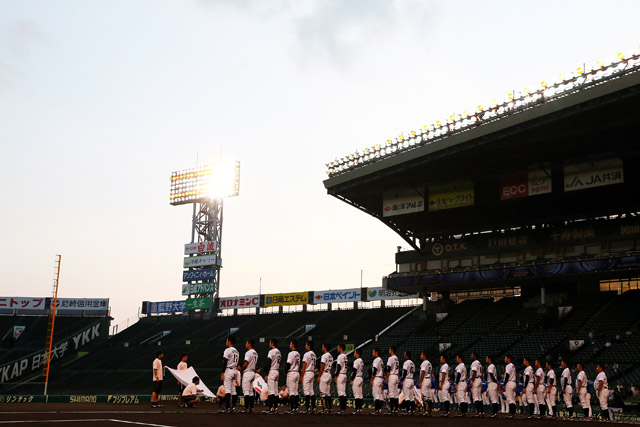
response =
{"points": [[593, 174], [248, 301], [403, 203], [201, 261], [200, 274], [199, 247], [294, 298], [198, 303], [342, 295], [451, 196], [198, 288], [525, 184]]}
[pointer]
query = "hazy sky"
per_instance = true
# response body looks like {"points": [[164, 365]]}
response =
{"points": [[101, 100]]}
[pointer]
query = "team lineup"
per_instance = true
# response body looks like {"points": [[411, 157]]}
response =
{"points": [[398, 385]]}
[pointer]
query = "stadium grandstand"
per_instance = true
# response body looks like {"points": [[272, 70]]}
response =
{"points": [[523, 226]]}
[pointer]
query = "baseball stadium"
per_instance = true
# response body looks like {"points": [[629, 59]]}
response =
{"points": [[515, 302]]}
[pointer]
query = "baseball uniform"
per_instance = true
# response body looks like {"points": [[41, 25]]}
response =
{"points": [[376, 389], [325, 376], [408, 369], [585, 401], [293, 374], [461, 383], [476, 387], [492, 384], [444, 391], [251, 357], [231, 371], [341, 384], [603, 396], [358, 367], [425, 387], [274, 371], [552, 390], [567, 390], [393, 366]]}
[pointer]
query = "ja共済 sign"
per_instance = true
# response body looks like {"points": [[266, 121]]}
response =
{"points": [[593, 174]]}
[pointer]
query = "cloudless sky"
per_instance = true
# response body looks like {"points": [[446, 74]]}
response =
{"points": [[101, 100]]}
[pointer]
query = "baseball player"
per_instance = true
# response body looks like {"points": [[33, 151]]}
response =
{"points": [[293, 377], [356, 381], [476, 383], [158, 375], [248, 369], [602, 391], [341, 377], [408, 386], [552, 390], [377, 372], [529, 385], [273, 369], [567, 390], [392, 374], [308, 369], [581, 391], [510, 385], [324, 378], [461, 385], [492, 386], [541, 380], [443, 388], [181, 367], [425, 382], [230, 359]]}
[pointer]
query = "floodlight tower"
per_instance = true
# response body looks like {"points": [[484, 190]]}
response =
{"points": [[206, 188]]}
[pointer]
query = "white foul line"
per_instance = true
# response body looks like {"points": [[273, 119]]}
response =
{"points": [[83, 420]]}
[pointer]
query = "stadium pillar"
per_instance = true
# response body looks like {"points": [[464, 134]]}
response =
{"points": [[304, 308], [329, 307], [542, 295], [424, 302], [382, 304]]}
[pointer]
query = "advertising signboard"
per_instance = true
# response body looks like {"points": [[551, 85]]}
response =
{"points": [[198, 303], [199, 247], [451, 196], [200, 274], [201, 261], [593, 174], [248, 301], [198, 288], [293, 298], [342, 295]]}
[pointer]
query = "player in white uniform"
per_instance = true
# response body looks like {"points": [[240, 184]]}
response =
{"points": [[581, 391], [552, 390], [341, 377], [476, 383], [356, 381], [248, 369], [567, 389], [461, 385], [444, 385], [540, 389], [601, 386], [324, 378], [293, 377], [230, 359], [392, 375], [308, 369], [408, 386], [377, 373], [181, 367], [425, 383], [529, 385], [492, 386], [273, 370], [510, 378]]}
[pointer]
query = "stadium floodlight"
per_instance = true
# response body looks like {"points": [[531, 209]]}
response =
{"points": [[204, 183], [584, 77]]}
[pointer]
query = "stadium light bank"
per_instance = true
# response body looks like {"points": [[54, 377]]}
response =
{"points": [[581, 79]]}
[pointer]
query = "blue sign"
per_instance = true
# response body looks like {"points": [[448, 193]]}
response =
{"points": [[167, 307], [201, 274]]}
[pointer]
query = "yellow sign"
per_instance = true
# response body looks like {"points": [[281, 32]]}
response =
{"points": [[451, 196], [295, 298]]}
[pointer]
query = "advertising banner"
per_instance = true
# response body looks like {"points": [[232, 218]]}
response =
{"points": [[201, 274], [525, 184], [451, 196], [444, 346], [343, 295], [294, 298], [378, 294], [441, 316], [24, 303], [198, 288], [575, 344], [402, 203], [593, 174], [85, 304], [34, 362], [198, 303], [201, 261], [163, 307], [199, 247], [249, 301]]}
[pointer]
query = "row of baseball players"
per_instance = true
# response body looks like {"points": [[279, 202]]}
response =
{"points": [[540, 388]]}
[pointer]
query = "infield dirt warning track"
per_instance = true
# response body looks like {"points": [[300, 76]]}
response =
{"points": [[95, 415]]}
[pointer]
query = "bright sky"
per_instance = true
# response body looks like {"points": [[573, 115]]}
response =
{"points": [[101, 101]]}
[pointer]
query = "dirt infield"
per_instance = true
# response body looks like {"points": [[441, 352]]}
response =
{"points": [[95, 415]]}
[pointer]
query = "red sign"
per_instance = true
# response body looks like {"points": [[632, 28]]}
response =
{"points": [[525, 184], [240, 302]]}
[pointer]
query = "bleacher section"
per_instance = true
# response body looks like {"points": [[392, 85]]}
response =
{"points": [[514, 326]]}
